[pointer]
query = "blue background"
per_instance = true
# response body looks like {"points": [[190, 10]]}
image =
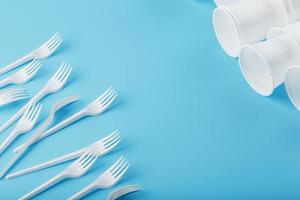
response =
{"points": [[191, 126]]}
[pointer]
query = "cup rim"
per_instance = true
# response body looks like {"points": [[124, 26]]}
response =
{"points": [[264, 91], [233, 44]]}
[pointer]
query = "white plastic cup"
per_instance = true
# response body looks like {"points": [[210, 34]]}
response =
{"points": [[247, 23], [264, 64], [292, 85], [293, 9], [292, 29], [228, 2]]}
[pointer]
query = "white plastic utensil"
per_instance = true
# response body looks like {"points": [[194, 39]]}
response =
{"points": [[22, 76], [55, 84], [106, 180], [75, 170], [56, 107], [292, 85], [96, 107], [248, 22], [102, 147], [123, 191], [24, 125], [265, 64], [13, 95], [44, 51]]}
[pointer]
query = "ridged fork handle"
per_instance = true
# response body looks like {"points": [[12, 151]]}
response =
{"points": [[47, 164], [43, 187], [85, 191], [16, 63], [17, 115], [58, 127]]}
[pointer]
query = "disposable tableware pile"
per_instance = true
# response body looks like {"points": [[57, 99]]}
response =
{"points": [[29, 114], [265, 36]]}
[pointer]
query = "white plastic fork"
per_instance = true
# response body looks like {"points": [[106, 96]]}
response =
{"points": [[96, 107], [44, 51], [102, 147], [106, 180], [13, 95], [22, 76], [24, 125], [75, 170], [123, 191], [55, 108], [55, 84]]}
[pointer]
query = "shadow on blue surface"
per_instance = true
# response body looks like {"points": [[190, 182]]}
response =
{"points": [[279, 95], [208, 3]]}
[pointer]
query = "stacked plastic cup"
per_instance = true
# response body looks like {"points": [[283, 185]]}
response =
{"points": [[265, 64], [248, 22], [292, 75]]}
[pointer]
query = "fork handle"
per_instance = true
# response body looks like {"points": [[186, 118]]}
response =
{"points": [[16, 63], [85, 191], [10, 138], [47, 164], [57, 127], [43, 187], [14, 118]]}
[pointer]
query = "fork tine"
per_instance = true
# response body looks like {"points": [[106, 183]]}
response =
{"points": [[115, 164], [32, 108], [19, 93], [112, 146], [60, 69], [37, 114], [86, 158], [110, 99], [14, 96], [104, 93], [56, 38], [34, 68], [117, 138], [27, 112], [51, 39], [120, 168], [107, 138], [63, 71], [55, 43], [90, 159], [89, 163], [79, 160], [64, 66], [108, 94], [16, 92], [10, 100], [121, 174], [113, 142], [113, 171], [31, 65], [66, 76]]}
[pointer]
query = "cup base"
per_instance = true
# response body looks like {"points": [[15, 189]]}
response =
{"points": [[292, 85]]}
